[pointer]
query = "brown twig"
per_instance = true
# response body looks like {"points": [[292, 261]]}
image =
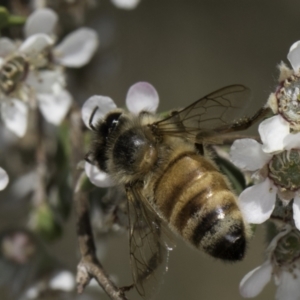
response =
{"points": [[89, 266], [41, 164]]}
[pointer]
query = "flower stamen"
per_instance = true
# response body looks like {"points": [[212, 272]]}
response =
{"points": [[288, 101], [284, 170], [13, 71]]}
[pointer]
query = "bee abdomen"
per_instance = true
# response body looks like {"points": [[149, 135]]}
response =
{"points": [[218, 230], [181, 173], [211, 220], [195, 199]]}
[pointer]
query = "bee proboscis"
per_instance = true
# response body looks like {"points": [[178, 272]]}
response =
{"points": [[171, 180]]}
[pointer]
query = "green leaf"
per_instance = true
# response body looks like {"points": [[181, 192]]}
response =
{"points": [[64, 147], [16, 20], [4, 17], [7, 20], [271, 231], [45, 223], [60, 180], [234, 175]]}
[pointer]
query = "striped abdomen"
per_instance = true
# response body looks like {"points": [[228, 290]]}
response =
{"points": [[194, 198]]}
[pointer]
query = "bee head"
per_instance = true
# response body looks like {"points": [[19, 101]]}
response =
{"points": [[122, 146]]}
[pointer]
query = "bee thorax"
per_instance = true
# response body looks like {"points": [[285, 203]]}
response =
{"points": [[134, 153]]}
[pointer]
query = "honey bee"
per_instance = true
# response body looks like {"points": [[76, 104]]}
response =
{"points": [[171, 181]]}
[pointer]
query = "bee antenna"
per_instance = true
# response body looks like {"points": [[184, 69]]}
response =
{"points": [[92, 117]]}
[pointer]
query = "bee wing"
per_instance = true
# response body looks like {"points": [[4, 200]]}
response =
{"points": [[149, 244], [209, 117]]}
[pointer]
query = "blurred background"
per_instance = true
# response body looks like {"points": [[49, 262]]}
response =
{"points": [[186, 49]]}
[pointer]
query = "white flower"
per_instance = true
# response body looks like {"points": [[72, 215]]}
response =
{"points": [[63, 281], [14, 115], [98, 177], [41, 21], [140, 96], [294, 56], [285, 100], [126, 4], [275, 161], [254, 282], [53, 100], [283, 263], [75, 50], [33, 73], [3, 179], [14, 92]]}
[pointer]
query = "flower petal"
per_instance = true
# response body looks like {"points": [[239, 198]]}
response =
{"points": [[33, 292], [35, 44], [42, 20], [104, 104], [247, 154], [77, 48], [257, 202], [142, 96], [14, 115], [272, 132], [63, 281], [296, 211], [292, 141], [98, 177], [254, 282], [54, 107], [288, 288], [126, 4], [7, 46], [3, 179], [294, 56], [44, 81]]}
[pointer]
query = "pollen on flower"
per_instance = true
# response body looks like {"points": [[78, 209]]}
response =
{"points": [[288, 250], [13, 70], [285, 72], [282, 262], [288, 101], [272, 103], [284, 170]]}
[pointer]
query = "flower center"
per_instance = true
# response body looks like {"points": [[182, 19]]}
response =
{"points": [[288, 248], [284, 169], [288, 97], [13, 71]]}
